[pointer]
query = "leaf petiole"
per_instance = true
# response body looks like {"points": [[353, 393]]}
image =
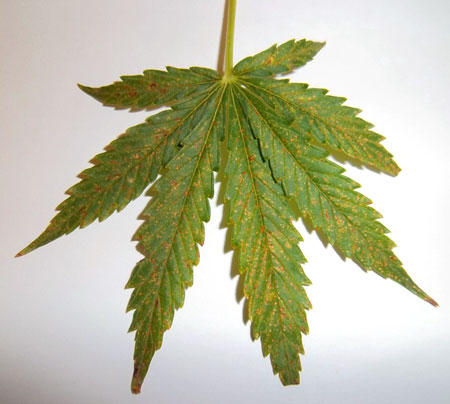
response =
{"points": [[228, 76]]}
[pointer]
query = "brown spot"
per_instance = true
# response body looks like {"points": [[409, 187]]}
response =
{"points": [[136, 384]]}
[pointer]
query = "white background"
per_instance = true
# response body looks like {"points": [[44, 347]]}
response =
{"points": [[63, 327]]}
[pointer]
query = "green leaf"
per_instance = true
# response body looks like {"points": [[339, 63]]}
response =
{"points": [[269, 257], [169, 236], [279, 135], [282, 59], [324, 119], [323, 194], [154, 88], [123, 172]]}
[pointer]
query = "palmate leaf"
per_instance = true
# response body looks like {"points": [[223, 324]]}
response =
{"points": [[278, 138]]}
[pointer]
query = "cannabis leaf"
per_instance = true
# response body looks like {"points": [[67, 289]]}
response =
{"points": [[278, 136]]}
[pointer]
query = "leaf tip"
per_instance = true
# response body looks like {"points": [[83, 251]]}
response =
{"points": [[20, 253], [46, 237], [25, 251], [136, 382], [95, 93], [135, 387], [86, 89], [318, 46], [394, 169], [420, 293], [433, 302]]}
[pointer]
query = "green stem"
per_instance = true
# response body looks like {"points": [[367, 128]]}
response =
{"points": [[228, 77]]}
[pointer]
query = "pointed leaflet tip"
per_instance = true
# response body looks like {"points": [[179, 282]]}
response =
{"points": [[25, 251], [92, 91], [21, 252], [135, 383], [101, 94], [413, 288], [320, 45], [86, 89], [428, 299], [432, 302], [43, 239]]}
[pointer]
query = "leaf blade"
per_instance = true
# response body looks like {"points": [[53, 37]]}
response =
{"points": [[269, 256], [120, 174], [323, 118], [154, 88], [325, 195], [278, 59], [170, 235]]}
